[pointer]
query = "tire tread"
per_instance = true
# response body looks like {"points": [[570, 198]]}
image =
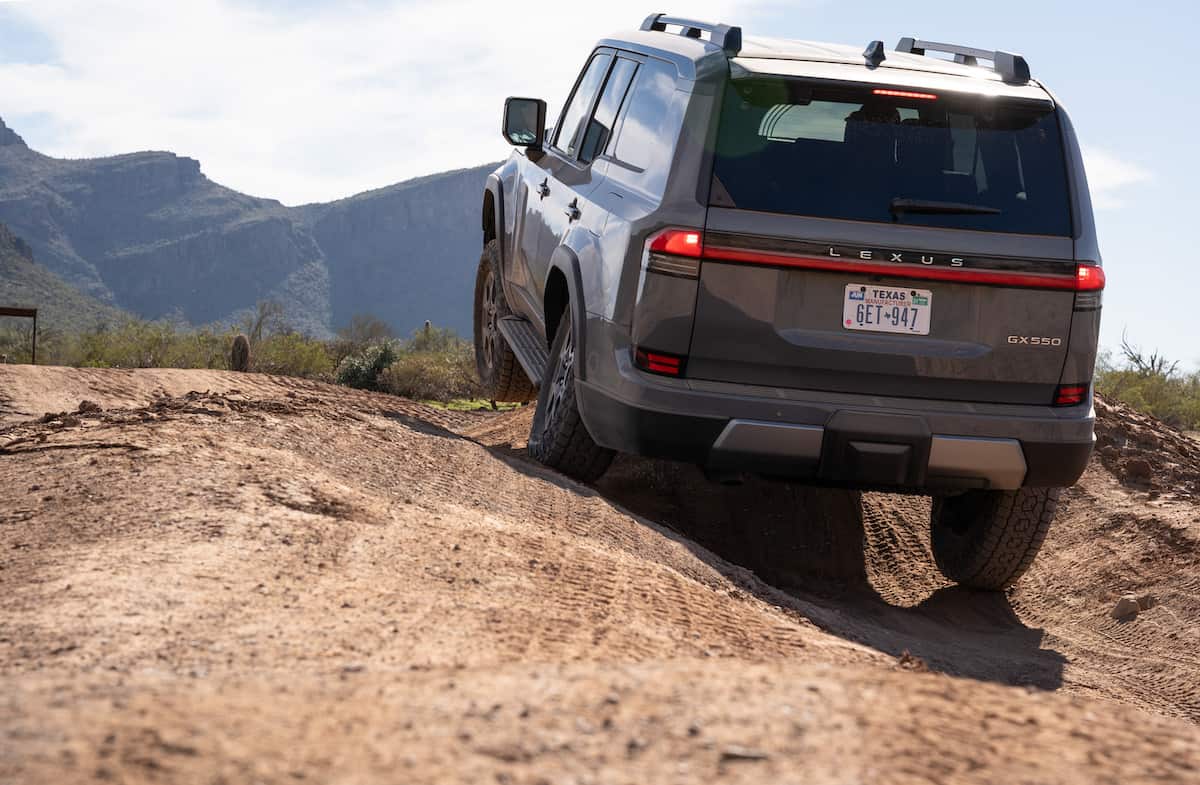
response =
{"points": [[1012, 528]]}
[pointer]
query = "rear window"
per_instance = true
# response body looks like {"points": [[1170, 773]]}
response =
{"points": [[789, 146]]}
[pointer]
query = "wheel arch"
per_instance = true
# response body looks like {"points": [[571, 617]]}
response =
{"points": [[564, 288], [492, 217]]}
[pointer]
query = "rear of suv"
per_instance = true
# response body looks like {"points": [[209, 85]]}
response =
{"points": [[870, 269]]}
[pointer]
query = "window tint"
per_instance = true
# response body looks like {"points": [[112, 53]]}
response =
{"points": [[786, 146], [569, 132], [651, 125], [599, 130]]}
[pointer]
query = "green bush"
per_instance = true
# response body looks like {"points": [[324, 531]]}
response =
{"points": [[136, 343], [364, 330], [362, 370], [292, 354], [1151, 384], [1174, 400], [432, 376]]}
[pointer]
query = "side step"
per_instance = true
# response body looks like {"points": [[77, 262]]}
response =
{"points": [[527, 345]]}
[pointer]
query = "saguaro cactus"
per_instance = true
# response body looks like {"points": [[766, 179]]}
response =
{"points": [[239, 356]]}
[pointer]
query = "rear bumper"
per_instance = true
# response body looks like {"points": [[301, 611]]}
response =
{"points": [[839, 439]]}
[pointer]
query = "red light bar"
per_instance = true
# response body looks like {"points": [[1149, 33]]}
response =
{"points": [[1089, 278], [904, 94], [657, 362], [1066, 282], [679, 242], [1070, 394]]}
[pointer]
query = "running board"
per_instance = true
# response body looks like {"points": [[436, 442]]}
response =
{"points": [[527, 345]]}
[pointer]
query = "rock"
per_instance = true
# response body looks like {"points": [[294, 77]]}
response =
{"points": [[9, 137], [1127, 608], [1146, 601], [907, 661], [88, 407], [1138, 470], [736, 753]]}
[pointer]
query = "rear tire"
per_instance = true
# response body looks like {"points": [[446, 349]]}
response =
{"points": [[988, 539], [501, 373], [558, 438]]}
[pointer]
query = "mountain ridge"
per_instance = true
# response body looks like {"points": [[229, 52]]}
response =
{"points": [[148, 232], [26, 284]]}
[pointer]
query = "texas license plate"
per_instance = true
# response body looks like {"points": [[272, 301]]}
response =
{"points": [[887, 309]]}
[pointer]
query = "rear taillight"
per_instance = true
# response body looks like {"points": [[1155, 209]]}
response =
{"points": [[678, 242], [659, 362], [1089, 278], [1070, 394]]}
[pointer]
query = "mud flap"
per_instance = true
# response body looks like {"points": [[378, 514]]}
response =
{"points": [[870, 449]]}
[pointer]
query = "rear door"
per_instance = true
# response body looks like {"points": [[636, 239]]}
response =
{"points": [[571, 163], [887, 242]]}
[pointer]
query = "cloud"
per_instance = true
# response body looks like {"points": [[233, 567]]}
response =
{"points": [[1109, 176], [302, 102]]}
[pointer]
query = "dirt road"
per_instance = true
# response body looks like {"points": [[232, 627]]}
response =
{"points": [[220, 578]]}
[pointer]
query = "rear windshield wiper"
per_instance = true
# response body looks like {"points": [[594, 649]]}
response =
{"points": [[921, 206]]}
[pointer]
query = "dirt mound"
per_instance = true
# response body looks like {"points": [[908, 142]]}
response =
{"points": [[281, 581], [1146, 453]]}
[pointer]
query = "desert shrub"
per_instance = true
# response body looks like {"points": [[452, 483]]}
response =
{"points": [[432, 376], [1151, 384], [1175, 400], [143, 344], [435, 339], [433, 365], [362, 369], [363, 330], [16, 344], [293, 354]]}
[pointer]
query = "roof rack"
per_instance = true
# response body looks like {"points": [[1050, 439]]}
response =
{"points": [[1012, 68], [727, 37]]}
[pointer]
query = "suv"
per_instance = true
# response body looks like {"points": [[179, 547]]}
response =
{"points": [[873, 270]]}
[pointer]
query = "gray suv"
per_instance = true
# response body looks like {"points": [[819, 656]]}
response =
{"points": [[872, 269]]}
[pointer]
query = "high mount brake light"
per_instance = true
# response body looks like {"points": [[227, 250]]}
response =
{"points": [[1089, 278], [678, 242], [905, 94]]}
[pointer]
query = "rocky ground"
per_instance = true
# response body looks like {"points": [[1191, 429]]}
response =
{"points": [[218, 578]]}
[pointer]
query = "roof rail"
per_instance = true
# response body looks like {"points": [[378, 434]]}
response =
{"points": [[1012, 68], [727, 37]]}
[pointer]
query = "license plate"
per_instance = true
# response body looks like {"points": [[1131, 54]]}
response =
{"points": [[887, 309]]}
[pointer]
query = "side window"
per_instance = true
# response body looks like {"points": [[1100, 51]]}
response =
{"points": [[570, 130], [600, 128], [650, 128]]}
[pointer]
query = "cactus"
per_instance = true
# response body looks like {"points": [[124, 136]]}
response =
{"points": [[239, 357]]}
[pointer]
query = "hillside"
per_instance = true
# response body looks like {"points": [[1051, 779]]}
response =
{"points": [[149, 233], [282, 581], [24, 283]]}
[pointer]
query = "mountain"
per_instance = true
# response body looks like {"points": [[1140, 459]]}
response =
{"points": [[149, 233], [26, 284]]}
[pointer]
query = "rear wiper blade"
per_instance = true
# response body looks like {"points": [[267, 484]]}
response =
{"points": [[922, 206]]}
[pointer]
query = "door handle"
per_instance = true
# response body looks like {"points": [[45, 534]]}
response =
{"points": [[573, 211], [544, 189]]}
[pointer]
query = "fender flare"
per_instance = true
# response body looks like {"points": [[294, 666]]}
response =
{"points": [[565, 261], [496, 189]]}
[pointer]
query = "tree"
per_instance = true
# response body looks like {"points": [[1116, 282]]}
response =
{"points": [[267, 318], [1154, 364]]}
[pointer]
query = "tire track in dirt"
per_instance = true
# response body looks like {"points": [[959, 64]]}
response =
{"points": [[866, 572], [297, 578]]}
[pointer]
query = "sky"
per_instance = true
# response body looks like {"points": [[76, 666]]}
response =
{"points": [[313, 100]]}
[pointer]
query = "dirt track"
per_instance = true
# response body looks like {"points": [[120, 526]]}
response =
{"points": [[281, 581]]}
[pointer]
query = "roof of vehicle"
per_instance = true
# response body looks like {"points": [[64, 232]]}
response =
{"points": [[783, 57]]}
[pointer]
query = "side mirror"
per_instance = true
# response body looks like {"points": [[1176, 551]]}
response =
{"points": [[524, 122]]}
